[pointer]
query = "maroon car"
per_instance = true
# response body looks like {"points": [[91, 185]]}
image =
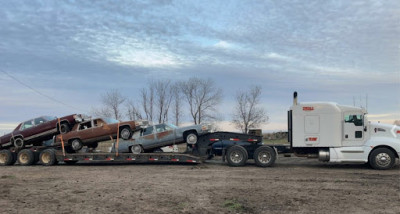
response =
{"points": [[35, 131]]}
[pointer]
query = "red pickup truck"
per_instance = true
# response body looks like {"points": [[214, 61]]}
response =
{"points": [[37, 130]]}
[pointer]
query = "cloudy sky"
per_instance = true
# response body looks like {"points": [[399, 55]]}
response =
{"points": [[73, 51]]}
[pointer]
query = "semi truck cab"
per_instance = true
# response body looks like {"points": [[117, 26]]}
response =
{"points": [[338, 133]]}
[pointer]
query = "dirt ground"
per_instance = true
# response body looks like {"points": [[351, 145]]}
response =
{"points": [[293, 185]]}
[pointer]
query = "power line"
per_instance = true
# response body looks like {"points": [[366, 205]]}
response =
{"points": [[40, 93]]}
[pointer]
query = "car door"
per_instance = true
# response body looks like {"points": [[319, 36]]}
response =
{"points": [[148, 137], [27, 129], [165, 134]]}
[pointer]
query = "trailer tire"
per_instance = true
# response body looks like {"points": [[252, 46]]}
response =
{"points": [[26, 157], [76, 144], [48, 157], [7, 158], [264, 156], [125, 133], [381, 158], [236, 156]]}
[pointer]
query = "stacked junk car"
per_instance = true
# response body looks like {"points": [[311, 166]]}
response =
{"points": [[326, 131]]}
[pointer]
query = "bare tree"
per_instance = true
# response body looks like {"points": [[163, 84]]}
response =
{"points": [[163, 98], [147, 96], [248, 114], [176, 102], [202, 97], [112, 101], [133, 112]]}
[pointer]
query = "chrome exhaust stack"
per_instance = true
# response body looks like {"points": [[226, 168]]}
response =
{"points": [[295, 98]]}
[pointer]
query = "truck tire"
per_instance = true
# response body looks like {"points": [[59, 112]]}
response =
{"points": [[191, 138], [19, 143], [26, 157], [125, 133], [264, 156], [136, 149], [76, 144], [381, 158], [236, 156], [64, 128], [48, 157], [6, 158]]}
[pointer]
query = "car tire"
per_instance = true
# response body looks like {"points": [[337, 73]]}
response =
{"points": [[19, 143], [125, 133], [76, 144], [264, 156], [26, 157], [48, 157], [136, 149], [236, 156], [6, 158], [64, 128], [191, 138], [381, 158]]}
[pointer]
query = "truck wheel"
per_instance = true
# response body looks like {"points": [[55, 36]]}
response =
{"points": [[264, 156], [381, 158], [26, 157], [191, 138], [48, 157], [125, 133], [76, 144], [6, 158], [237, 156], [64, 128], [19, 143], [136, 149]]}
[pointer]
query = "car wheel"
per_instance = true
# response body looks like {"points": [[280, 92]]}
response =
{"points": [[76, 144], [19, 143], [236, 156], [6, 158], [264, 156], [125, 133], [191, 138], [136, 149], [26, 157], [382, 158], [64, 128], [48, 157]]}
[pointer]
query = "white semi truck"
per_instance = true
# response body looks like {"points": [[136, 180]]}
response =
{"points": [[340, 134]]}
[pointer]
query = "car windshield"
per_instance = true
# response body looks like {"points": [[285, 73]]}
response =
{"points": [[110, 120], [48, 118], [172, 126]]}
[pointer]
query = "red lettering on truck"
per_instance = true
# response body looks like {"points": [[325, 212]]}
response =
{"points": [[312, 139], [308, 108]]}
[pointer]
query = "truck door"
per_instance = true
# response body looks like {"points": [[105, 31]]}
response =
{"points": [[353, 129]]}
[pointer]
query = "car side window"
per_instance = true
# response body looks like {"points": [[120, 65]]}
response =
{"points": [[39, 121], [83, 126], [160, 128], [148, 130], [27, 125]]}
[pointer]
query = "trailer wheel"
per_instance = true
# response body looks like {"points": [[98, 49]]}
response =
{"points": [[19, 143], [381, 158], [6, 158], [48, 157], [136, 149], [237, 156], [76, 144], [264, 156], [26, 157], [125, 133]]}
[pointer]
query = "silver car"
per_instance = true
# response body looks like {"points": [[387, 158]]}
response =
{"points": [[154, 137]]}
